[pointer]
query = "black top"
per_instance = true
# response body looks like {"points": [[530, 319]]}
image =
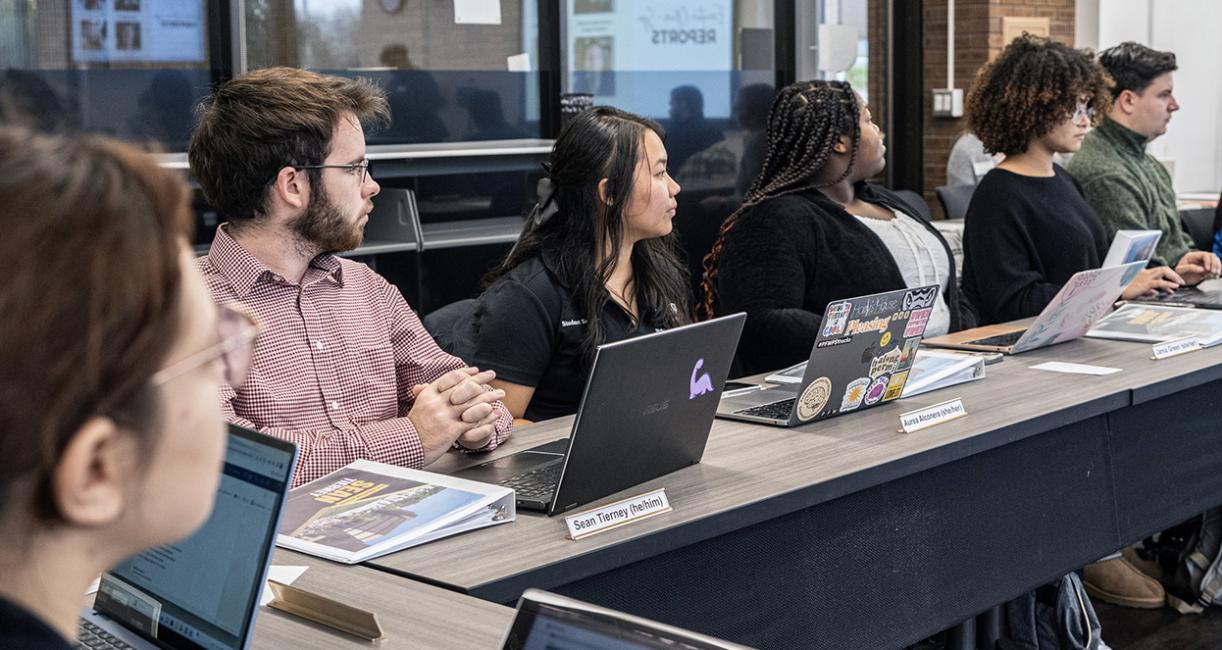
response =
{"points": [[1023, 238], [527, 328], [21, 629], [787, 258]]}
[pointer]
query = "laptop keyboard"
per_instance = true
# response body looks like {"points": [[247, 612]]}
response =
{"points": [[538, 484], [92, 637], [774, 411], [1000, 339]]}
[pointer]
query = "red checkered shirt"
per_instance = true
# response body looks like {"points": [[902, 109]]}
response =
{"points": [[335, 365]]}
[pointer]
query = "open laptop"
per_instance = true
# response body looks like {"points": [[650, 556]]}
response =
{"points": [[646, 411], [860, 359], [1085, 298], [547, 621], [1206, 295], [202, 592]]}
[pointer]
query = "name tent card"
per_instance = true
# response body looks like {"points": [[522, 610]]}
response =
{"points": [[930, 415], [584, 524], [1176, 347]]}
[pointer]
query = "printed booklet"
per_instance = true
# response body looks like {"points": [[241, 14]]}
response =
{"points": [[1157, 323], [369, 509]]}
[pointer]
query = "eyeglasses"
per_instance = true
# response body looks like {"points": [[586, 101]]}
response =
{"points": [[1083, 110], [363, 166], [238, 331]]}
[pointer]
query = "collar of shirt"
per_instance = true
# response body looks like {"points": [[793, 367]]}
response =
{"points": [[1122, 138], [244, 271]]}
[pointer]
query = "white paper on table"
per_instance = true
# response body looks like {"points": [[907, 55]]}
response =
{"points": [[284, 574], [477, 12], [93, 586], [1075, 368]]}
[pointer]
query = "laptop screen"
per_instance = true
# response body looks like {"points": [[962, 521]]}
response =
{"points": [[201, 592], [555, 626]]}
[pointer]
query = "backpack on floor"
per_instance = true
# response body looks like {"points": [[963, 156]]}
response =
{"points": [[1057, 616]]}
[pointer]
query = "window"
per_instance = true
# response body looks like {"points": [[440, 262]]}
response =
{"points": [[127, 68], [449, 75]]}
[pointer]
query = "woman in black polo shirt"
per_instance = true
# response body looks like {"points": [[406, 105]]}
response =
{"points": [[812, 230], [596, 263]]}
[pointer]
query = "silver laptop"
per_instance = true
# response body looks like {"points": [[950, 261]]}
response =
{"points": [[546, 621], [1085, 298], [202, 593]]}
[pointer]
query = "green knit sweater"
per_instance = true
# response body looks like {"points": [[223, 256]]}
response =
{"points": [[1129, 189]]}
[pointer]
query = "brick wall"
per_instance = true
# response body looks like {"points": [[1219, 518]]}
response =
{"points": [[978, 37]]}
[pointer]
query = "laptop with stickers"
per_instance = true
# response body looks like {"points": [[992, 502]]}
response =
{"points": [[1085, 298], [646, 411], [860, 359]]}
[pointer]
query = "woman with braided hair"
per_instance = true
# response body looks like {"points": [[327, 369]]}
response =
{"points": [[812, 230]]}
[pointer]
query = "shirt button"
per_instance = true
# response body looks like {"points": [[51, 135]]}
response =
{"points": [[319, 345], [335, 405]]}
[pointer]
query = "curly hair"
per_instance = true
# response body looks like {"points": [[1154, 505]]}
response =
{"points": [[1034, 85], [807, 119]]}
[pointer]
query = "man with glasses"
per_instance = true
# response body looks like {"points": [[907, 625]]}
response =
{"points": [[344, 367], [1126, 186]]}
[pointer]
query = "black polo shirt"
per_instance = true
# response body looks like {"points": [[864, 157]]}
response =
{"points": [[21, 629], [527, 328]]}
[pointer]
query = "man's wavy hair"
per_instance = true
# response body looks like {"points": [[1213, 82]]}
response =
{"points": [[1134, 66], [1034, 85]]}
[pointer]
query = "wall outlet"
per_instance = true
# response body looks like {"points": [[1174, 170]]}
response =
{"points": [[948, 102]]}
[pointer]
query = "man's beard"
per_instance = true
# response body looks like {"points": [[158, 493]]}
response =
{"points": [[323, 229]]}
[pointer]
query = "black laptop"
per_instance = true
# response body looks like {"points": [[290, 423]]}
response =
{"points": [[646, 411], [202, 592], [860, 358]]}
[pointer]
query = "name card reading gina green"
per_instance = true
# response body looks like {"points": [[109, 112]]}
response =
{"points": [[931, 415], [584, 524], [1175, 348]]}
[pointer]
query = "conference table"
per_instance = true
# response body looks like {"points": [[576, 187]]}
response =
{"points": [[847, 533], [412, 615]]}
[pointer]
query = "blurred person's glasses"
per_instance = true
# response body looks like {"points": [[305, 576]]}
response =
{"points": [[361, 169], [1083, 110], [237, 332]]}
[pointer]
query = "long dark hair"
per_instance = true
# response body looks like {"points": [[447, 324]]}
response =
{"points": [[572, 222], [807, 119]]}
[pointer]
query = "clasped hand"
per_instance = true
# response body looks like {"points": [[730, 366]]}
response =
{"points": [[456, 407]]}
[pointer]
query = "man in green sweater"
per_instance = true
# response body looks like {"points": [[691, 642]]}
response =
{"points": [[1126, 186]]}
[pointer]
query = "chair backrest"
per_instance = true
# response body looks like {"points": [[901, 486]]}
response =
{"points": [[955, 199], [1199, 222], [395, 217], [917, 201]]}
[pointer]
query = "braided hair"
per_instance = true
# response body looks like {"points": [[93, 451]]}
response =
{"points": [[807, 119]]}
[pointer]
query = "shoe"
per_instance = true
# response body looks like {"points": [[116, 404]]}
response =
{"points": [[1149, 567], [1118, 582]]}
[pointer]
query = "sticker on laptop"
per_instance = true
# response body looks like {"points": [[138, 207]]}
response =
{"points": [[895, 386], [884, 364], [909, 352], [886, 340], [917, 322], [920, 298], [837, 318], [876, 390], [854, 393], [814, 398]]}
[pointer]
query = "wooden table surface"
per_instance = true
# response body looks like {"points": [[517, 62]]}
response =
{"points": [[751, 473]]}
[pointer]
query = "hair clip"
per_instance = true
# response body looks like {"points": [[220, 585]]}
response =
{"points": [[545, 208]]}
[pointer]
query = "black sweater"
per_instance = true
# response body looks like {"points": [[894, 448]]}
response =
{"points": [[787, 258], [1023, 238]]}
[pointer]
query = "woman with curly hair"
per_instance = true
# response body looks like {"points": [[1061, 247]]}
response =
{"points": [[1029, 228], [811, 231]]}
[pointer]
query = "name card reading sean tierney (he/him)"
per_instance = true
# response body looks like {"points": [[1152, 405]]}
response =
{"points": [[931, 415], [1176, 347], [584, 524]]}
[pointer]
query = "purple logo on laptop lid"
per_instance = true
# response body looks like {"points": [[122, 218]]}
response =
{"points": [[703, 384]]}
